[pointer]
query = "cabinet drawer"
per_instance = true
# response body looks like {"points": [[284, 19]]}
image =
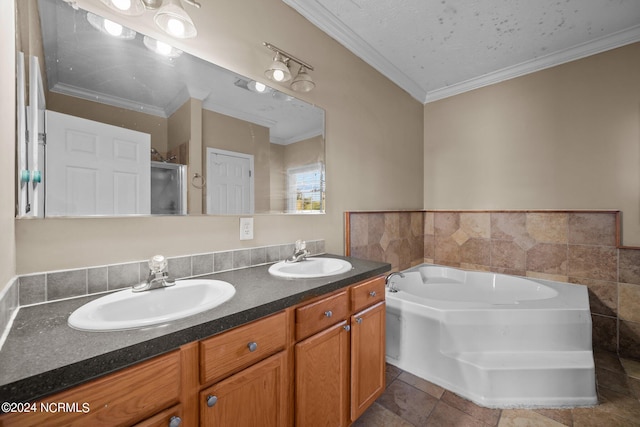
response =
{"points": [[319, 315], [164, 418], [238, 348], [120, 399], [367, 293]]}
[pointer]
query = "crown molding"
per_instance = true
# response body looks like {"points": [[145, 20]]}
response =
{"points": [[114, 101], [612, 41], [330, 24], [322, 18]]}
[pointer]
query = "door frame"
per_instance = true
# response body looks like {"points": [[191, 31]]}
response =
{"points": [[210, 178]]}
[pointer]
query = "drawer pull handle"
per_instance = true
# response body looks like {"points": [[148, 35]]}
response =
{"points": [[372, 293], [328, 313], [253, 346], [175, 421], [358, 320], [211, 400], [347, 328]]}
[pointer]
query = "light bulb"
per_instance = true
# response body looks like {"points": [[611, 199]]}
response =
{"points": [[163, 48], [175, 27], [122, 4], [260, 87], [278, 75], [113, 28]]}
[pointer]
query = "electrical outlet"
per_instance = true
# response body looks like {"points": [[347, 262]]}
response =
{"points": [[246, 228]]}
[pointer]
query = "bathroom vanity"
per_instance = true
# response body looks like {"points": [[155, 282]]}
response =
{"points": [[283, 352]]}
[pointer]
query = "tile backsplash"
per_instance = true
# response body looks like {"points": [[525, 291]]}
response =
{"points": [[579, 247], [51, 286]]}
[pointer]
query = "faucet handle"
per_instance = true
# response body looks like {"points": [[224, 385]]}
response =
{"points": [[158, 263]]}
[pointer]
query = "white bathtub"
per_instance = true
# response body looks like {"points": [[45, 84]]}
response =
{"points": [[497, 340]]}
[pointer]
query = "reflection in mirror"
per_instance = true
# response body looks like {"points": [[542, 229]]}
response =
{"points": [[117, 102]]}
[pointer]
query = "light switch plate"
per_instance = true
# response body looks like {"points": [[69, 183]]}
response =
{"points": [[246, 228]]}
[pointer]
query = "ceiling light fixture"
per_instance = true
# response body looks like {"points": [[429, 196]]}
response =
{"points": [[174, 20], [280, 72]]}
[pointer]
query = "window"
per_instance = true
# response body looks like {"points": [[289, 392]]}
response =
{"points": [[305, 189]]}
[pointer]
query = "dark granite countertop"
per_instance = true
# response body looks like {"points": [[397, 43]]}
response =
{"points": [[43, 355]]}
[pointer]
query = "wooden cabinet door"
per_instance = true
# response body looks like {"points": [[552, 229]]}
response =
{"points": [[256, 396], [322, 378], [367, 358]]}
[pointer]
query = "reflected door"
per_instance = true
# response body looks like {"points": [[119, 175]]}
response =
{"points": [[229, 182], [96, 169]]}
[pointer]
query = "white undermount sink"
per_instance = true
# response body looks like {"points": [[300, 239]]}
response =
{"points": [[310, 268], [128, 310]]}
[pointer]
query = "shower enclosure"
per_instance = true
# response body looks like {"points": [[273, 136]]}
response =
{"points": [[168, 189]]}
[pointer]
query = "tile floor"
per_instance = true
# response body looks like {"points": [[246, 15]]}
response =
{"points": [[411, 401]]}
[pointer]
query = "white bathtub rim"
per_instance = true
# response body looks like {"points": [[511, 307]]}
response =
{"points": [[570, 296]]}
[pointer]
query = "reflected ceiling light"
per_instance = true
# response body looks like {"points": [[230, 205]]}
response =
{"points": [[126, 7], [258, 87], [161, 48], [279, 70], [253, 86], [174, 20], [110, 28]]}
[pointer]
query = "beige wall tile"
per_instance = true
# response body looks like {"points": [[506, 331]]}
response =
{"points": [[476, 251], [548, 227], [429, 218], [550, 258], [508, 225], [359, 227], [506, 254], [446, 223], [629, 302], [592, 229], [629, 266], [593, 262], [476, 224]]}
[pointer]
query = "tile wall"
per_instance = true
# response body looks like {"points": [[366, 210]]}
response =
{"points": [[567, 246]]}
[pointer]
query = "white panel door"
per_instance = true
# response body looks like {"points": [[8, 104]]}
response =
{"points": [[229, 182], [96, 169]]}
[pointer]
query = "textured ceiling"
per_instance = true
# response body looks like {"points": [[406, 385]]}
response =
{"points": [[438, 48]]}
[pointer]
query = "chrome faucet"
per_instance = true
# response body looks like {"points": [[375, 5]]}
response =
{"points": [[300, 253], [389, 283], [158, 276]]}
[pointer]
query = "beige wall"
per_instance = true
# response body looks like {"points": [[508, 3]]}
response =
{"points": [[156, 126], [231, 134], [374, 145], [7, 144], [277, 179], [563, 138]]}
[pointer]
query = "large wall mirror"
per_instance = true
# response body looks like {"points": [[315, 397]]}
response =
{"points": [[112, 122]]}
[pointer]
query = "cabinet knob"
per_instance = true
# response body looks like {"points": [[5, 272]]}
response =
{"points": [[175, 421], [372, 293], [211, 400], [253, 346], [358, 320], [328, 313], [347, 328]]}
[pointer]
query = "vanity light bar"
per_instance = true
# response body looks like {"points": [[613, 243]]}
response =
{"points": [[287, 55]]}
